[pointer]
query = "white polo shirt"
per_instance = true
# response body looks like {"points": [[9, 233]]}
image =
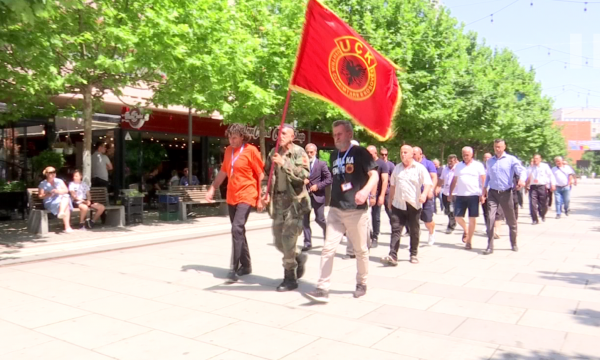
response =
{"points": [[408, 182], [561, 174], [469, 178], [447, 176]]}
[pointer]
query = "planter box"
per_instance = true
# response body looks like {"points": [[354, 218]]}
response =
{"points": [[14, 200]]}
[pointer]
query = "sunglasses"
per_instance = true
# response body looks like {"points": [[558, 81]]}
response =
{"points": [[51, 172], [384, 154]]}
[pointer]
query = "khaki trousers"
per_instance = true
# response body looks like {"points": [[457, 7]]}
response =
{"points": [[354, 224]]}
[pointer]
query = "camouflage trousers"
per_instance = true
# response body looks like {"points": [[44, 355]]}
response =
{"points": [[286, 229]]}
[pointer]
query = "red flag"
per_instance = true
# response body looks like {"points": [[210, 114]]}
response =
{"points": [[335, 64]]}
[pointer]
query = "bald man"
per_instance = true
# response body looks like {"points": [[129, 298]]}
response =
{"points": [[410, 185], [382, 186], [429, 205]]}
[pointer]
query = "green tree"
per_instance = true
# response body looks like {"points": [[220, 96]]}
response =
{"points": [[87, 49]]}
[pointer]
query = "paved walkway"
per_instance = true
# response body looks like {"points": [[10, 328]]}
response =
{"points": [[168, 301]]}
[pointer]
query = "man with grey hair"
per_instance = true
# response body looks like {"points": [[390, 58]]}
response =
{"points": [[565, 177], [354, 177], [443, 189], [318, 179], [467, 185]]}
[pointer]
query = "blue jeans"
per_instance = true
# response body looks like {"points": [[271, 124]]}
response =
{"points": [[562, 195]]}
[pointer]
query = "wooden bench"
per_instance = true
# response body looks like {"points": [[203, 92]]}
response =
{"points": [[37, 223], [196, 195]]}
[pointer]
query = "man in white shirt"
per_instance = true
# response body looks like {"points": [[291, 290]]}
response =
{"points": [[539, 177], [100, 166], [467, 186], [564, 176], [443, 186], [406, 182]]}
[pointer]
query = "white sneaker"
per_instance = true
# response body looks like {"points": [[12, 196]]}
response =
{"points": [[431, 239]]}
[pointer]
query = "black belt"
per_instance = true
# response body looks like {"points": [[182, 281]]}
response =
{"points": [[544, 185], [500, 191]]}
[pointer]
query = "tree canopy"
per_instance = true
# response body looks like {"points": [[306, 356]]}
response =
{"points": [[236, 57]]}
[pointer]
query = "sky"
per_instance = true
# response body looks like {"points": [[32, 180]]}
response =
{"points": [[557, 37]]}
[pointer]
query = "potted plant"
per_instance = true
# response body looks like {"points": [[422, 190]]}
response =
{"points": [[59, 147], [48, 158]]}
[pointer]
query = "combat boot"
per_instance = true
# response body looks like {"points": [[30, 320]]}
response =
{"points": [[301, 260], [289, 281]]}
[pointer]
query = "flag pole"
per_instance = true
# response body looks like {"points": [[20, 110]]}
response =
{"points": [[285, 109]]}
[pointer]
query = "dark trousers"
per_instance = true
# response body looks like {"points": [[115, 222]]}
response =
{"points": [[501, 200], [376, 220], [538, 201], [400, 219], [97, 182], [240, 253], [451, 218], [549, 193], [387, 208], [319, 209]]}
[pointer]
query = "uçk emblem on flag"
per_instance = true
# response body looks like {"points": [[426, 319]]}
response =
{"points": [[335, 64], [352, 68]]}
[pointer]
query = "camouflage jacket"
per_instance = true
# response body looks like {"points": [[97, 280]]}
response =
{"points": [[296, 167]]}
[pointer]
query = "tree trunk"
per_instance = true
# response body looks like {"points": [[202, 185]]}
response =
{"points": [[87, 134], [190, 134], [442, 154], [262, 142]]}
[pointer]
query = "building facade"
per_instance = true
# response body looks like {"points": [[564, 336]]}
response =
{"points": [[577, 124]]}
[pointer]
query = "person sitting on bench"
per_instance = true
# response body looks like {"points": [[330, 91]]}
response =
{"points": [[55, 195], [80, 193]]}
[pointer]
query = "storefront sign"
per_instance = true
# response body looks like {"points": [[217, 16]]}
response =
{"points": [[254, 133], [135, 118]]}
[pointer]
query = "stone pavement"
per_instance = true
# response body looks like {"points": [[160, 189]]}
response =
{"points": [[169, 301]]}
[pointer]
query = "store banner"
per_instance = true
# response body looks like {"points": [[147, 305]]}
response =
{"points": [[335, 64], [584, 145]]}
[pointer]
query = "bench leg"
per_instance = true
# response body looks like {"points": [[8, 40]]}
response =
{"points": [[37, 223], [182, 211], [115, 217]]}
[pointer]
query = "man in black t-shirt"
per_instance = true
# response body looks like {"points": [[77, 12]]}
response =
{"points": [[382, 187], [354, 176]]}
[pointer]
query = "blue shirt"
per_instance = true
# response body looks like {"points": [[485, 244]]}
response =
{"points": [[500, 172], [48, 189], [429, 165], [184, 181]]}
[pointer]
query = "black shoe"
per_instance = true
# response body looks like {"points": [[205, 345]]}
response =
{"points": [[488, 251], [543, 219], [301, 260], [289, 281], [348, 257], [361, 290], [82, 226], [535, 222], [244, 271], [306, 248], [515, 248], [374, 243], [89, 223], [566, 212], [232, 277], [558, 216], [319, 295]]}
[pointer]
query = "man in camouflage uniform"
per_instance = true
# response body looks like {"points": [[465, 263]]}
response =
{"points": [[290, 201]]}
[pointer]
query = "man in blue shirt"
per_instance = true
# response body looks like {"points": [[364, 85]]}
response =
{"points": [[499, 178], [429, 206], [185, 179]]}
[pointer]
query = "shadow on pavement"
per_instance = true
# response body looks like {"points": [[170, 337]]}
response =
{"points": [[578, 278], [540, 355]]}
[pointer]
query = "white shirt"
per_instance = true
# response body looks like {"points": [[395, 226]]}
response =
{"points": [[540, 175], [99, 162], [80, 189], [408, 183], [447, 176], [561, 175], [468, 182]]}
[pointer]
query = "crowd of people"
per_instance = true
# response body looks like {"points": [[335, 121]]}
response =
{"points": [[362, 182]]}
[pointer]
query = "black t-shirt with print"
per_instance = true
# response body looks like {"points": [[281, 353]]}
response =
{"points": [[355, 170]]}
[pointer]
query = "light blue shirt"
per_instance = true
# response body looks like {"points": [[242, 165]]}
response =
{"points": [[500, 172]]}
